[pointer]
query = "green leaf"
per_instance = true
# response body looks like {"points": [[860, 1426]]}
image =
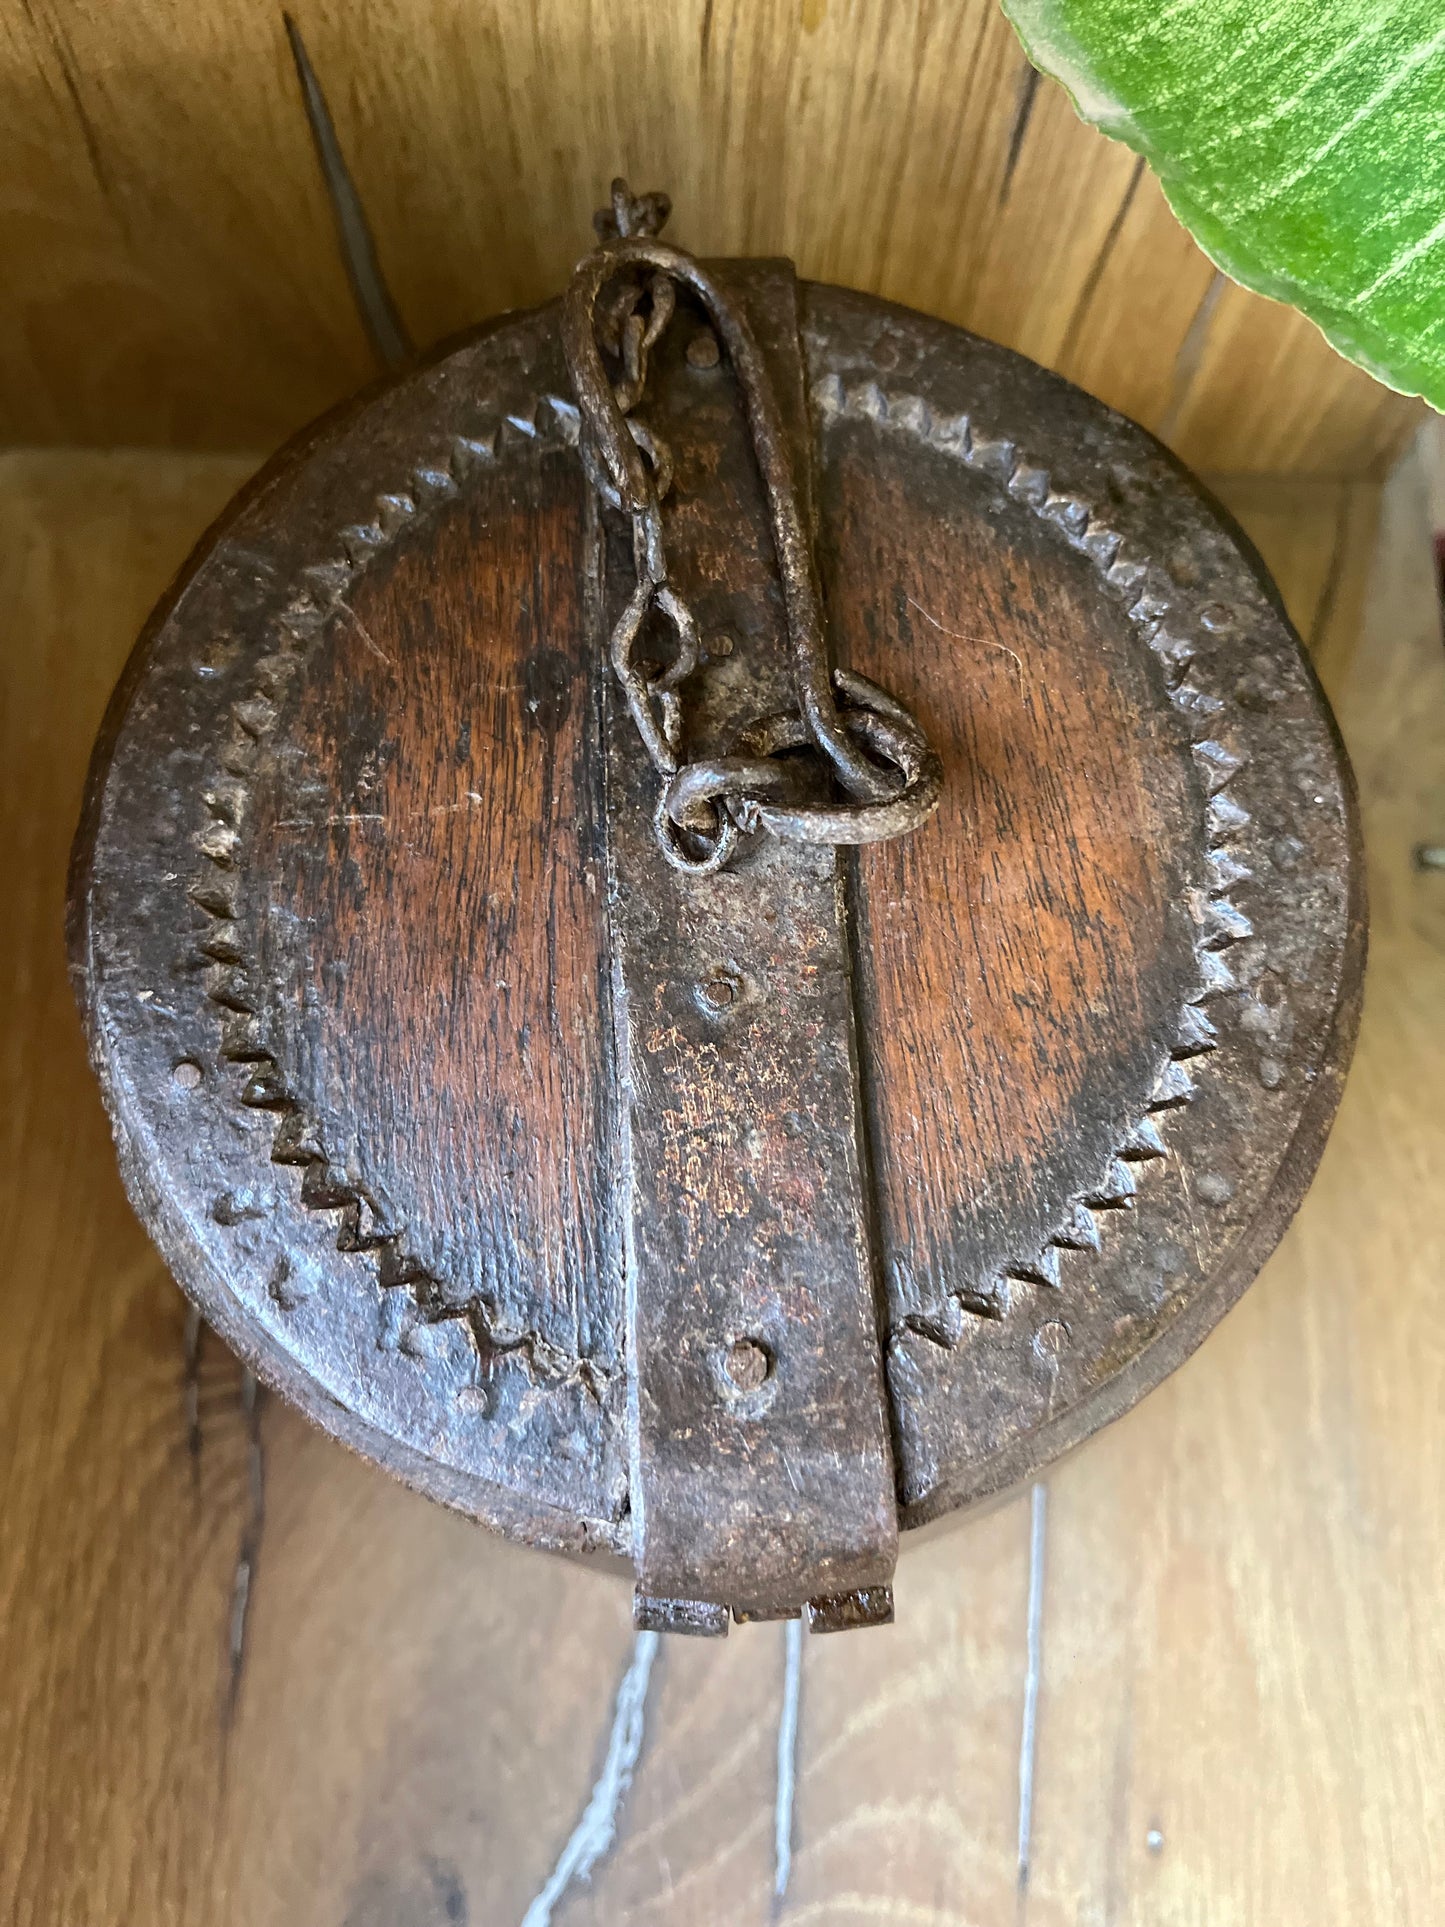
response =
{"points": [[1301, 141]]}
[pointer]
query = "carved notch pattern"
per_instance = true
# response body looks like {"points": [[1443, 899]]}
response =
{"points": [[1218, 921], [363, 1225], [363, 1222]]}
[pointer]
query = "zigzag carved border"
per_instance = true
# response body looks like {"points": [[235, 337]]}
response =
{"points": [[1219, 922], [363, 1225], [297, 1141]]}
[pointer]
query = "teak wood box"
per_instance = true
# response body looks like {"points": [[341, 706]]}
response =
{"points": [[635, 1137]]}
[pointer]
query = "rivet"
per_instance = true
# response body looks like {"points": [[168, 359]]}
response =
{"points": [[1214, 1187], [719, 646], [1217, 615], [702, 350], [748, 1363], [1050, 1341], [716, 993], [187, 1073]]}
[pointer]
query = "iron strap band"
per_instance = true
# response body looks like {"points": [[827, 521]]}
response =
{"points": [[761, 1475]]}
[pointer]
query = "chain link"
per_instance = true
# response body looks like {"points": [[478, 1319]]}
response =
{"points": [[621, 299]]}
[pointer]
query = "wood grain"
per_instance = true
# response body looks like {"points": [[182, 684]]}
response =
{"points": [[1246, 1673], [1029, 944], [436, 810], [1238, 1654], [125, 1471], [173, 273]]}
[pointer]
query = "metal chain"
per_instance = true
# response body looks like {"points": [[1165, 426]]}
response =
{"points": [[621, 298]]}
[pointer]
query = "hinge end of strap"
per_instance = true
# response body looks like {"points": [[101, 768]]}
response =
{"points": [[696, 1616]]}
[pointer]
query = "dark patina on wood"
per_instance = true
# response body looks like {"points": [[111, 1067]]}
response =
{"points": [[726, 1242]]}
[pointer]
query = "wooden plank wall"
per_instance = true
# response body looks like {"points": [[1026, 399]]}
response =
{"points": [[172, 277], [246, 1681]]}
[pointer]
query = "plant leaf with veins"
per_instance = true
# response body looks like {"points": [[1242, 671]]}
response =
{"points": [[1301, 141]]}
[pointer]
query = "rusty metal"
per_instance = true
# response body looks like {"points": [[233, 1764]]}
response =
{"points": [[761, 1467], [701, 816], [718, 1225]]}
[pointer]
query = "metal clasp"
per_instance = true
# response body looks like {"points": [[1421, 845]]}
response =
{"points": [[621, 298]]}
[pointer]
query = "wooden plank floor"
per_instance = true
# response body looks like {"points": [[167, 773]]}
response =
{"points": [[246, 1682]]}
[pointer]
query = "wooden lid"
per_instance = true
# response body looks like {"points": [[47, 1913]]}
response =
{"points": [[352, 913]]}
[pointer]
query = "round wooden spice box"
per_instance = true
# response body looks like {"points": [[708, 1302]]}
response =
{"points": [[718, 922]]}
